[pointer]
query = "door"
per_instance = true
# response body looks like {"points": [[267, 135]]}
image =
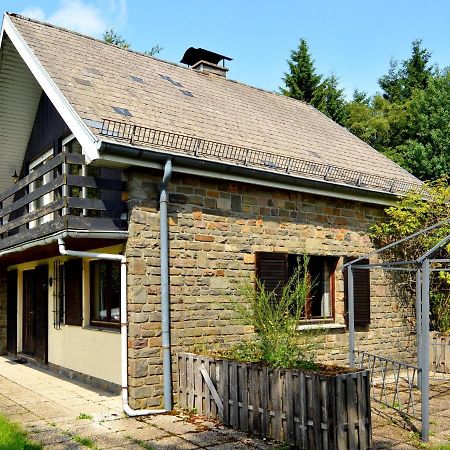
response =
{"points": [[11, 312], [35, 312]]}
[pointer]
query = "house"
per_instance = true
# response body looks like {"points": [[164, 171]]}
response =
{"points": [[137, 193]]}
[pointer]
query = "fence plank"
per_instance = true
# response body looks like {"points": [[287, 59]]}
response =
{"points": [[234, 407], [362, 430], [225, 392], [306, 409], [340, 416], [288, 407], [351, 408], [243, 393]]}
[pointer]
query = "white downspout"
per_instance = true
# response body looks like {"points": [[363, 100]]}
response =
{"points": [[123, 323]]}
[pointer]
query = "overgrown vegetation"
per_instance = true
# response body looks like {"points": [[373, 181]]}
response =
{"points": [[408, 119], [277, 341], [12, 437], [413, 213]]}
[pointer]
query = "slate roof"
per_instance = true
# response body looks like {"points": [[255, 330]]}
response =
{"points": [[96, 78]]}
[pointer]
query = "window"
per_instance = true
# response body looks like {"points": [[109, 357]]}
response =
{"points": [[105, 293], [68, 293], [40, 202], [274, 270]]}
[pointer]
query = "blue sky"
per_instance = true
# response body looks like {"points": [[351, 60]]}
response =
{"points": [[355, 39]]}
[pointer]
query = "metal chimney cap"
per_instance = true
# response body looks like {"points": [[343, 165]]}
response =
{"points": [[194, 55]]}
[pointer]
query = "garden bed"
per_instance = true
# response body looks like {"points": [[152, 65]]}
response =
{"points": [[308, 409]]}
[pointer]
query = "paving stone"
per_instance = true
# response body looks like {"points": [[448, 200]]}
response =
{"points": [[50, 437], [148, 433], [207, 438], [172, 424], [69, 445], [172, 443], [108, 440]]}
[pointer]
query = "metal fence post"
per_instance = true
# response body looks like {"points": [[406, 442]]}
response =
{"points": [[351, 317], [419, 321], [425, 354]]}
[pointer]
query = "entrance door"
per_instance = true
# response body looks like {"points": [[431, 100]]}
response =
{"points": [[11, 313], [35, 312]]}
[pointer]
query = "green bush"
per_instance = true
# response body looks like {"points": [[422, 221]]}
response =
{"points": [[413, 213], [278, 342]]}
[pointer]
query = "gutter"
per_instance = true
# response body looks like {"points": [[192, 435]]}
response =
{"points": [[150, 157], [165, 303]]}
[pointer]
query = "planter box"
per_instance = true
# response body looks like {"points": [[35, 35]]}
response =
{"points": [[308, 410], [439, 352]]}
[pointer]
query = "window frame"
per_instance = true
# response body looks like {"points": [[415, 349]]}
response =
{"points": [[332, 262], [92, 285]]}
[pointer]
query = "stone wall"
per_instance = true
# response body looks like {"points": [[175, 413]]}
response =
{"points": [[3, 311], [215, 229]]}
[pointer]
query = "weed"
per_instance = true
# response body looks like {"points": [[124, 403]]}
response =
{"points": [[86, 442], [84, 416], [12, 437]]}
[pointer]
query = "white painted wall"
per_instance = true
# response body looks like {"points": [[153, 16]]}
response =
{"points": [[91, 351]]}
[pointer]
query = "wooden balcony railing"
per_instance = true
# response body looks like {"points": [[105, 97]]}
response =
{"points": [[61, 194]]}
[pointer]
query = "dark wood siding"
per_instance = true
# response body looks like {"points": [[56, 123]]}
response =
{"points": [[361, 292], [73, 284], [48, 130], [41, 312]]}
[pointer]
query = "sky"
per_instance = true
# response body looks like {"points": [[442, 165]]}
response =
{"points": [[354, 39]]}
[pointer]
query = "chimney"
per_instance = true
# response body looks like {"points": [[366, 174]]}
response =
{"points": [[205, 61]]}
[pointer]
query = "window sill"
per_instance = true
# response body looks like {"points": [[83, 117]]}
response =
{"points": [[321, 326], [100, 328]]}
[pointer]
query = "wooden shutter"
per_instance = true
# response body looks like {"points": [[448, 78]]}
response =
{"points": [[272, 271], [361, 292], [11, 315], [73, 286]]}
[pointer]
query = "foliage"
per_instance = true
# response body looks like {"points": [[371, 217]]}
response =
{"points": [[414, 73], [154, 50], [112, 37], [302, 80], [275, 320], [329, 99], [84, 416], [413, 213], [427, 129], [13, 438]]}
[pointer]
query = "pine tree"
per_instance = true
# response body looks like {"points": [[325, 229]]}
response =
{"points": [[301, 81], [329, 99], [414, 73]]}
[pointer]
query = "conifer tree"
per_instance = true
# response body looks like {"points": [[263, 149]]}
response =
{"points": [[329, 99], [302, 80]]}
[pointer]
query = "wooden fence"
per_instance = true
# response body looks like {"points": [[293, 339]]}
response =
{"points": [[308, 410], [440, 352]]}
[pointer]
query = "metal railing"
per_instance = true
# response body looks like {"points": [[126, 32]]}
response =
{"points": [[393, 383], [196, 147]]}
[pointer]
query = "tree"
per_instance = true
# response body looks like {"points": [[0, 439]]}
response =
{"points": [[112, 37], [302, 80], [426, 151], [329, 99], [414, 212], [399, 83]]}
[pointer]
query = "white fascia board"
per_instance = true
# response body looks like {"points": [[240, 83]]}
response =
{"points": [[85, 137], [356, 197]]}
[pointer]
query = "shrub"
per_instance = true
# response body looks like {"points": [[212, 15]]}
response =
{"points": [[278, 342]]}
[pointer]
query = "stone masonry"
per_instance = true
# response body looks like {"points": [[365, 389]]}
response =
{"points": [[215, 229]]}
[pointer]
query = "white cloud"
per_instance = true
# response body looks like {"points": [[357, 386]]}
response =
{"points": [[86, 17], [34, 13]]}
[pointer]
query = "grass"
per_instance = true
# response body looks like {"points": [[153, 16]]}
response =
{"points": [[84, 416], [12, 437], [86, 442]]}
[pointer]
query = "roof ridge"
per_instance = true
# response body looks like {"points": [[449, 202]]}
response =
{"points": [[76, 33]]}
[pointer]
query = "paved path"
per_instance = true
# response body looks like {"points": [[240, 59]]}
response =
{"points": [[51, 408]]}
